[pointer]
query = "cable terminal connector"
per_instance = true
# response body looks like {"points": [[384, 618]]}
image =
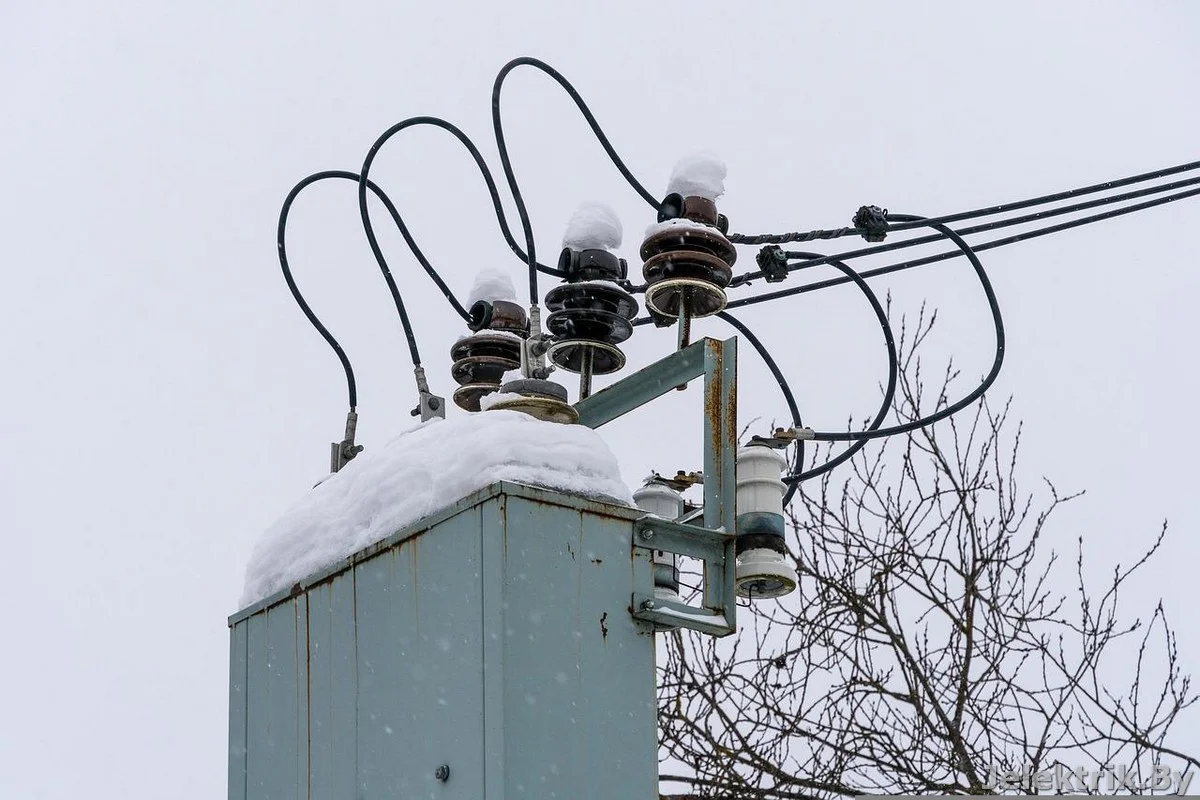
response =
{"points": [[533, 351], [681, 482], [773, 263], [782, 437], [872, 222], [429, 405], [341, 453]]}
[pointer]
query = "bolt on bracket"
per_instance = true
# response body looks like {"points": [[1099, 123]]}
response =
{"points": [[716, 361]]}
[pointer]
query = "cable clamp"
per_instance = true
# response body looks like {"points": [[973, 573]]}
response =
{"points": [[773, 263], [341, 453], [782, 437], [429, 405], [872, 222], [681, 481]]}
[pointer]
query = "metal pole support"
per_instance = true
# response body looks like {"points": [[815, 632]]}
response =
{"points": [[716, 361]]}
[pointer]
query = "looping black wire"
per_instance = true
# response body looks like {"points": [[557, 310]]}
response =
{"points": [[989, 379], [529, 255], [889, 392], [281, 244], [369, 229]]}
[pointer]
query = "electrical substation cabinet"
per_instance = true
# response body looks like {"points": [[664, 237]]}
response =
{"points": [[487, 651]]}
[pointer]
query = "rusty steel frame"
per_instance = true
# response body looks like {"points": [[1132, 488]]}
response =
{"points": [[716, 361]]}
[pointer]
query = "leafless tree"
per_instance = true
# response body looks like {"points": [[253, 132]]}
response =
{"points": [[929, 640]]}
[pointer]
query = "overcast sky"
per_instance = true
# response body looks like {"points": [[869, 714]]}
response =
{"points": [[164, 400]]}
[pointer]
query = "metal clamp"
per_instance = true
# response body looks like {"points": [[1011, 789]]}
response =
{"points": [[715, 548]]}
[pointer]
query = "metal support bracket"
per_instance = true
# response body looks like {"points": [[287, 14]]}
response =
{"points": [[717, 362], [715, 548]]}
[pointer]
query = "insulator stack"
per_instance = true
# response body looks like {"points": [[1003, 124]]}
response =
{"points": [[481, 359], [687, 261], [590, 314]]}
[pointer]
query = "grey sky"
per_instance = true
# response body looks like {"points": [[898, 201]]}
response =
{"points": [[164, 400]]}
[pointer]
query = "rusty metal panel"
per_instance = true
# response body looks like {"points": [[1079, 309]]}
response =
{"points": [[333, 689], [578, 670], [616, 687]]}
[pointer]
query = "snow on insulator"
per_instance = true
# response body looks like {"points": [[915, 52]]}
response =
{"points": [[699, 175], [593, 226], [590, 314], [677, 225], [491, 284]]}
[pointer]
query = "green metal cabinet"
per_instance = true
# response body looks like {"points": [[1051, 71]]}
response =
{"points": [[493, 639]]}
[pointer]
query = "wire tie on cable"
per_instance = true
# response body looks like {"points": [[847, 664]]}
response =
{"points": [[872, 222], [773, 263]]}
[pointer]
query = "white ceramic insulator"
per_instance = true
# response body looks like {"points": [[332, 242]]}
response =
{"points": [[759, 488], [763, 573], [660, 500]]}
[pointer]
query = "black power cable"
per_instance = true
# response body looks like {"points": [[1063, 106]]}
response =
{"points": [[888, 394], [281, 244], [798, 474], [986, 211], [364, 212], [975, 394], [957, 253], [530, 256], [990, 226]]}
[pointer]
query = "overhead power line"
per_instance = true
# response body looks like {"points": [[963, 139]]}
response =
{"points": [[1152, 189]]}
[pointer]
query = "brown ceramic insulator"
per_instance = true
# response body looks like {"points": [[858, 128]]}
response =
{"points": [[676, 238], [569, 356], [480, 362], [592, 297], [698, 299], [486, 344], [587, 321], [700, 209], [482, 369], [510, 316], [692, 264], [467, 397]]}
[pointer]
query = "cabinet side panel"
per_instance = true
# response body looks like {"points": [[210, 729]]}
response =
{"points": [[275, 721], [332, 689], [577, 669], [237, 710], [420, 661]]}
